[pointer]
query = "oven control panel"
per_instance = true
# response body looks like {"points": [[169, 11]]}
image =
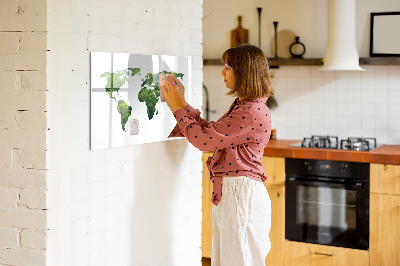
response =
{"points": [[337, 169]]}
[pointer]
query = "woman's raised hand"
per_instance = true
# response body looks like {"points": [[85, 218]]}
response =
{"points": [[174, 96]]}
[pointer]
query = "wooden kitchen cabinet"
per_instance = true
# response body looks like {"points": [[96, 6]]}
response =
{"points": [[385, 178], [305, 254], [206, 225], [274, 168], [384, 215]]}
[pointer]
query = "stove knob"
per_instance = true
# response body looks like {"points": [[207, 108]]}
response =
{"points": [[343, 168]]}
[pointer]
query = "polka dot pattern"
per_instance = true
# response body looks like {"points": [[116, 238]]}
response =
{"points": [[238, 139]]}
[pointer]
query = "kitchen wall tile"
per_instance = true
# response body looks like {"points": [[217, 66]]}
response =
{"points": [[342, 80], [367, 133], [381, 84], [355, 96], [381, 123], [394, 97], [315, 72], [342, 122], [380, 71], [394, 123], [329, 109], [365, 99], [381, 110], [394, 82], [292, 82], [394, 137], [367, 109], [355, 109], [382, 136], [342, 109], [394, 71], [368, 122], [304, 72], [367, 82], [394, 110], [342, 96], [355, 122], [303, 82], [355, 132], [381, 97], [291, 71], [367, 96]]}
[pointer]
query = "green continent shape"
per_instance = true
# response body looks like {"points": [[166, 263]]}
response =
{"points": [[150, 92], [115, 80], [125, 111]]}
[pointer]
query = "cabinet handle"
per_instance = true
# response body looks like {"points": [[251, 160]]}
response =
{"points": [[324, 254]]}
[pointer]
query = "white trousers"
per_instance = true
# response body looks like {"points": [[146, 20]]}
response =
{"points": [[241, 223]]}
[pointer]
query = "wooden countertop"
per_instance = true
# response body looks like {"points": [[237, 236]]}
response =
{"points": [[389, 154]]}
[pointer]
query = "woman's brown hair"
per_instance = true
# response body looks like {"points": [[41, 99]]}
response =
{"points": [[250, 66]]}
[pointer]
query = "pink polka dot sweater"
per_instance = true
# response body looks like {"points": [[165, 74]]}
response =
{"points": [[238, 139]]}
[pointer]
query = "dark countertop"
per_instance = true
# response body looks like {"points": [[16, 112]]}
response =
{"points": [[389, 154]]}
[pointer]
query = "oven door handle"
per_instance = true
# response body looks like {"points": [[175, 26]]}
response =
{"points": [[357, 185]]}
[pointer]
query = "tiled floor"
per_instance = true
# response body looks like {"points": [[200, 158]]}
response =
{"points": [[206, 261]]}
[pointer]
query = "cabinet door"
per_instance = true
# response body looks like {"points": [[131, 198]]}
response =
{"points": [[277, 233], [274, 168], [384, 230], [304, 254], [385, 178], [206, 232]]}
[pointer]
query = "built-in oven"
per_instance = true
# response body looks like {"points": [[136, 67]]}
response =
{"points": [[327, 202]]}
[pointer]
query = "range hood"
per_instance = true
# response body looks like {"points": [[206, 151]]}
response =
{"points": [[341, 51]]}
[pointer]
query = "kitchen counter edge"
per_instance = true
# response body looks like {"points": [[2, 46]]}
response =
{"points": [[385, 154]]}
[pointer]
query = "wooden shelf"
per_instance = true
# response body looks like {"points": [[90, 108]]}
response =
{"points": [[380, 61], [274, 63]]}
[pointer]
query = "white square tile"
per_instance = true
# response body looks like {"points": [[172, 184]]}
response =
{"points": [[381, 97], [291, 71], [367, 133], [382, 136], [304, 72], [381, 110], [355, 132], [355, 122], [394, 110], [380, 71], [394, 97], [394, 70], [394, 123], [394, 83], [342, 122], [355, 109], [304, 82], [367, 110], [394, 137], [329, 109], [381, 123], [367, 96], [368, 122], [342, 96], [292, 83], [381, 84], [342, 109], [355, 96]]}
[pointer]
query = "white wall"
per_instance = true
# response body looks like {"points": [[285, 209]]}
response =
{"points": [[311, 102], [138, 205], [23, 133]]}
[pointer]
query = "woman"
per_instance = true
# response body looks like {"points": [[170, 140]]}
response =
{"points": [[242, 208]]}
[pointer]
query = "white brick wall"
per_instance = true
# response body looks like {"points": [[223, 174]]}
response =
{"points": [[138, 205], [23, 126]]}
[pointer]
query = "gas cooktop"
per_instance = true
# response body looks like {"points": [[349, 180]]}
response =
{"points": [[332, 142]]}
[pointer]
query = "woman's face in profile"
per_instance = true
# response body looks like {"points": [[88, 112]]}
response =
{"points": [[229, 76]]}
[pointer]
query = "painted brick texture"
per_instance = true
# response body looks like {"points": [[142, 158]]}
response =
{"points": [[118, 206], [23, 126]]}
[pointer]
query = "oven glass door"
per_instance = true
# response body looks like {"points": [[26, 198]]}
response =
{"points": [[326, 213]]}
